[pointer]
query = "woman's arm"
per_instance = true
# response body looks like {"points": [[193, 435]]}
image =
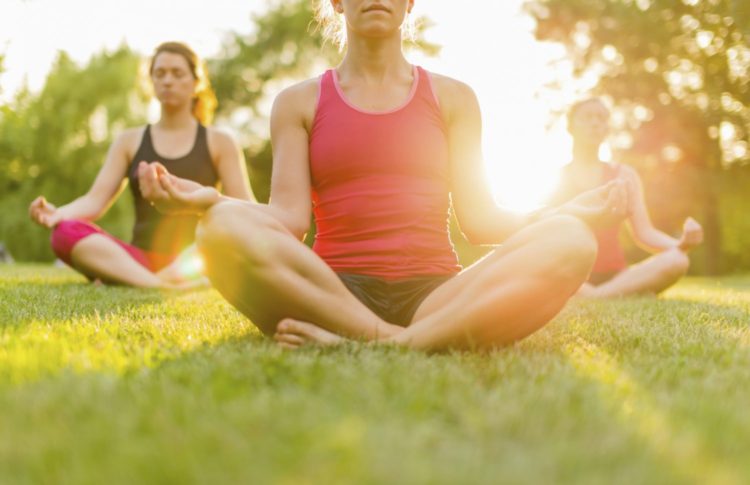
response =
{"points": [[230, 164], [643, 230], [291, 119], [108, 184], [480, 218]]}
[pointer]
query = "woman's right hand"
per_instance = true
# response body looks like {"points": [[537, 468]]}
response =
{"points": [[601, 207], [171, 194], [692, 235], [44, 213]]}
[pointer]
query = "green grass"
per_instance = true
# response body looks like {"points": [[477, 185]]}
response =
{"points": [[113, 385]]}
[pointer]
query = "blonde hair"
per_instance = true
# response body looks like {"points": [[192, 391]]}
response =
{"points": [[333, 26], [204, 102]]}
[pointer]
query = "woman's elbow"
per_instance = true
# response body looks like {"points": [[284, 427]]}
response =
{"points": [[298, 228], [297, 224]]}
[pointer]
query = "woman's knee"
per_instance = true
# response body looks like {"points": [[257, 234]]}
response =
{"points": [[230, 228], [67, 234], [676, 263]]}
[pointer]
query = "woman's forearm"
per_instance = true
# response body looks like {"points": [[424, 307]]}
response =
{"points": [[654, 240], [84, 207]]}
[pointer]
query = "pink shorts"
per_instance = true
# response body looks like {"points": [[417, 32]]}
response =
{"points": [[68, 233]]}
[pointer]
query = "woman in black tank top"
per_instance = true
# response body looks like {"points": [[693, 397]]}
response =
{"points": [[161, 252]]}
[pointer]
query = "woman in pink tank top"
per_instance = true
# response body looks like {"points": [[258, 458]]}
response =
{"points": [[588, 123], [377, 150]]}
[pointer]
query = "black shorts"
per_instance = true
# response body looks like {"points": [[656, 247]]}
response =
{"points": [[395, 301]]}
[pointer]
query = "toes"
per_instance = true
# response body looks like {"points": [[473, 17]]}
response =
{"points": [[287, 346], [288, 338], [285, 325], [300, 333]]}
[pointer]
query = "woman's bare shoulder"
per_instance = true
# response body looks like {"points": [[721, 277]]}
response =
{"points": [[449, 85], [454, 97], [220, 136], [302, 92], [297, 102], [128, 141]]}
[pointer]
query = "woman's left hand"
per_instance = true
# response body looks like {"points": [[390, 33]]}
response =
{"points": [[692, 234], [174, 195]]}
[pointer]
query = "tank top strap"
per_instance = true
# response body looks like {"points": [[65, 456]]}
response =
{"points": [[327, 89], [201, 143], [147, 143], [425, 87]]}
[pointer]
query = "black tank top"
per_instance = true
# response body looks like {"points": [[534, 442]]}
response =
{"points": [[154, 231]]}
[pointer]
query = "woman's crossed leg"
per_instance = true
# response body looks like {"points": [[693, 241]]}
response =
{"points": [[289, 292]]}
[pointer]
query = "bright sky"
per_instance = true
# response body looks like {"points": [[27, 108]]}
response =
{"points": [[486, 43]]}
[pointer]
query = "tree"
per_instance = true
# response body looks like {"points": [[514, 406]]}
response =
{"points": [[678, 71], [53, 142]]}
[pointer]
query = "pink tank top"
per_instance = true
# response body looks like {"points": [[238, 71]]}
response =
{"points": [[380, 185]]}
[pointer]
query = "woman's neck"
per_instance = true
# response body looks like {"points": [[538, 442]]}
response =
{"points": [[585, 153], [374, 60], [176, 119]]}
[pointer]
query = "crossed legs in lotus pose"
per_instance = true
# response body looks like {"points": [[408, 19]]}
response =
{"points": [[288, 292]]}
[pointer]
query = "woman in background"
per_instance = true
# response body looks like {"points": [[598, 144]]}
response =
{"points": [[588, 123], [180, 141]]}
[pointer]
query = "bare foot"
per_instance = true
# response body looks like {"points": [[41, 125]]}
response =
{"points": [[587, 290], [292, 334], [201, 282]]}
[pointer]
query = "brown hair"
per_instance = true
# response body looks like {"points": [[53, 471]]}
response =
{"points": [[204, 102]]}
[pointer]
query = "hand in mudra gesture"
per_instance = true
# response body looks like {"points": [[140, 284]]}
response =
{"points": [[692, 234], [44, 213], [171, 194], [600, 207]]}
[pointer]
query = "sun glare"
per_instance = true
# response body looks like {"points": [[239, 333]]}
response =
{"points": [[523, 165], [507, 70]]}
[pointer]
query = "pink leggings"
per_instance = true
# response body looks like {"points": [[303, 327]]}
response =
{"points": [[68, 233]]}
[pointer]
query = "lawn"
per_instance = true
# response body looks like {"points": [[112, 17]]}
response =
{"points": [[114, 385]]}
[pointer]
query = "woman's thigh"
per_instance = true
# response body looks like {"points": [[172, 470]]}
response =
{"points": [[269, 275], [549, 245]]}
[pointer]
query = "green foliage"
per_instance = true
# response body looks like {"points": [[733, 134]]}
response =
{"points": [[679, 72], [283, 45], [53, 143], [136, 386], [2, 59]]}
